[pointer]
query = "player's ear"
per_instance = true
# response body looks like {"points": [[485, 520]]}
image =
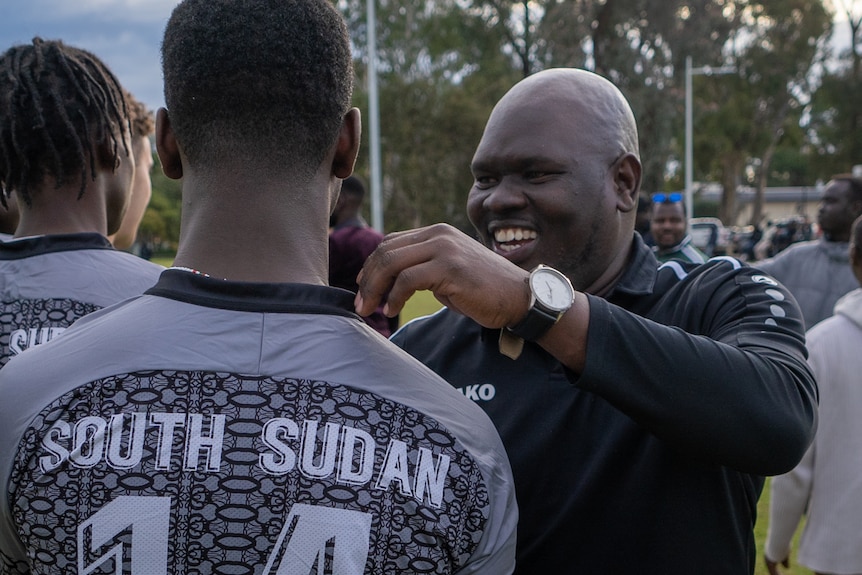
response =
{"points": [[167, 146], [347, 146], [627, 178]]}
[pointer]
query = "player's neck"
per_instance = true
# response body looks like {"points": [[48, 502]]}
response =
{"points": [[59, 211], [256, 234]]}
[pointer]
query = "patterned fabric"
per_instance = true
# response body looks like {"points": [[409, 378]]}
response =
{"points": [[314, 462], [226, 459], [49, 282]]}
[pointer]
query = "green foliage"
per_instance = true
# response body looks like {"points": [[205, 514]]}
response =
{"points": [[443, 65], [760, 529], [420, 304], [836, 124], [161, 222]]}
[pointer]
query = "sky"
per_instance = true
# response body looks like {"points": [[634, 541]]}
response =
{"points": [[125, 34]]}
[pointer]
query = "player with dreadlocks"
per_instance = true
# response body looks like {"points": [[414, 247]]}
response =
{"points": [[66, 155]]}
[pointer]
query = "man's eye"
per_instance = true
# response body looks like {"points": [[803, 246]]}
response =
{"points": [[537, 176], [484, 181]]}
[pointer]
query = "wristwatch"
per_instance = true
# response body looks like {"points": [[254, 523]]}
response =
{"points": [[551, 296]]}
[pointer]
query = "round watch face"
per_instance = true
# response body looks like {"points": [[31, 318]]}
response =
{"points": [[552, 289]]}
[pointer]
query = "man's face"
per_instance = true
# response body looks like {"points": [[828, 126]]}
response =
{"points": [[667, 224], [543, 192], [837, 210]]}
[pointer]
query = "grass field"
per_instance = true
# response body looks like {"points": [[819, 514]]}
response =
{"points": [[424, 303], [760, 537]]}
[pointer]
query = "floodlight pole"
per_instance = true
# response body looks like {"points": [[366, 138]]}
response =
{"points": [[689, 162], [374, 121]]}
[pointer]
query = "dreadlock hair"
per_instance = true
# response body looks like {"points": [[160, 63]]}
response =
{"points": [[58, 104], [266, 82]]}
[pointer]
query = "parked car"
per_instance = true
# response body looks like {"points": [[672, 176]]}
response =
{"points": [[709, 236]]}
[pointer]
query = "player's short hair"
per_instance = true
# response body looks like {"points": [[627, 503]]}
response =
{"points": [[58, 104], [261, 81]]}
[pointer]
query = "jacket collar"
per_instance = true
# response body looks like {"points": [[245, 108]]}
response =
{"points": [[16, 249], [640, 275], [185, 286]]}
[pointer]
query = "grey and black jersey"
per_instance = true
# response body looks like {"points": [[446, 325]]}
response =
{"points": [[214, 427], [48, 282]]}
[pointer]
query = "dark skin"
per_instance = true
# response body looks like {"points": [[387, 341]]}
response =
{"points": [[837, 211], [100, 209], [9, 215], [569, 202], [668, 224], [274, 212]]}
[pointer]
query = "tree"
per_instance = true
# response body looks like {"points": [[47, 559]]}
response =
{"points": [[835, 129], [443, 65], [161, 221], [775, 48], [439, 73]]}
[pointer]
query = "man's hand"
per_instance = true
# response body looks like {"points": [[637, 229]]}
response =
{"points": [[772, 566], [463, 275]]}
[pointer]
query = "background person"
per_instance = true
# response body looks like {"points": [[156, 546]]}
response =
{"points": [[642, 220], [670, 230], [816, 271], [643, 404], [239, 416], [351, 241], [143, 126], [826, 486], [71, 177]]}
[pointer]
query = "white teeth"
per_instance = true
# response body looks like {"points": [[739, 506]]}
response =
{"points": [[502, 236]]}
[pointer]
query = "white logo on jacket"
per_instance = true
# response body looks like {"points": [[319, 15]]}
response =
{"points": [[479, 392]]}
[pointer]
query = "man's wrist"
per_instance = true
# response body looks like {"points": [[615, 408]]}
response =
{"points": [[551, 295]]}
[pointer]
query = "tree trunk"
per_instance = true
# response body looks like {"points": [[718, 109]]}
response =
{"points": [[731, 168]]}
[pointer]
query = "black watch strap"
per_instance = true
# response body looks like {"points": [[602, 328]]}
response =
{"points": [[535, 324]]}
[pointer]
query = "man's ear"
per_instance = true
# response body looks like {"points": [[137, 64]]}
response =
{"points": [[167, 147], [627, 177], [347, 147]]}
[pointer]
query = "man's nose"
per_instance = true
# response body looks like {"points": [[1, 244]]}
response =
{"points": [[506, 196]]}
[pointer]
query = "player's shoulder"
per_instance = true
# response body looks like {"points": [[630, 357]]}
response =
{"points": [[715, 268], [719, 276], [138, 263], [440, 325]]}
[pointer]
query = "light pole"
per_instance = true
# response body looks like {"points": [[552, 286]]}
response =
{"points": [[374, 121], [689, 72]]}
